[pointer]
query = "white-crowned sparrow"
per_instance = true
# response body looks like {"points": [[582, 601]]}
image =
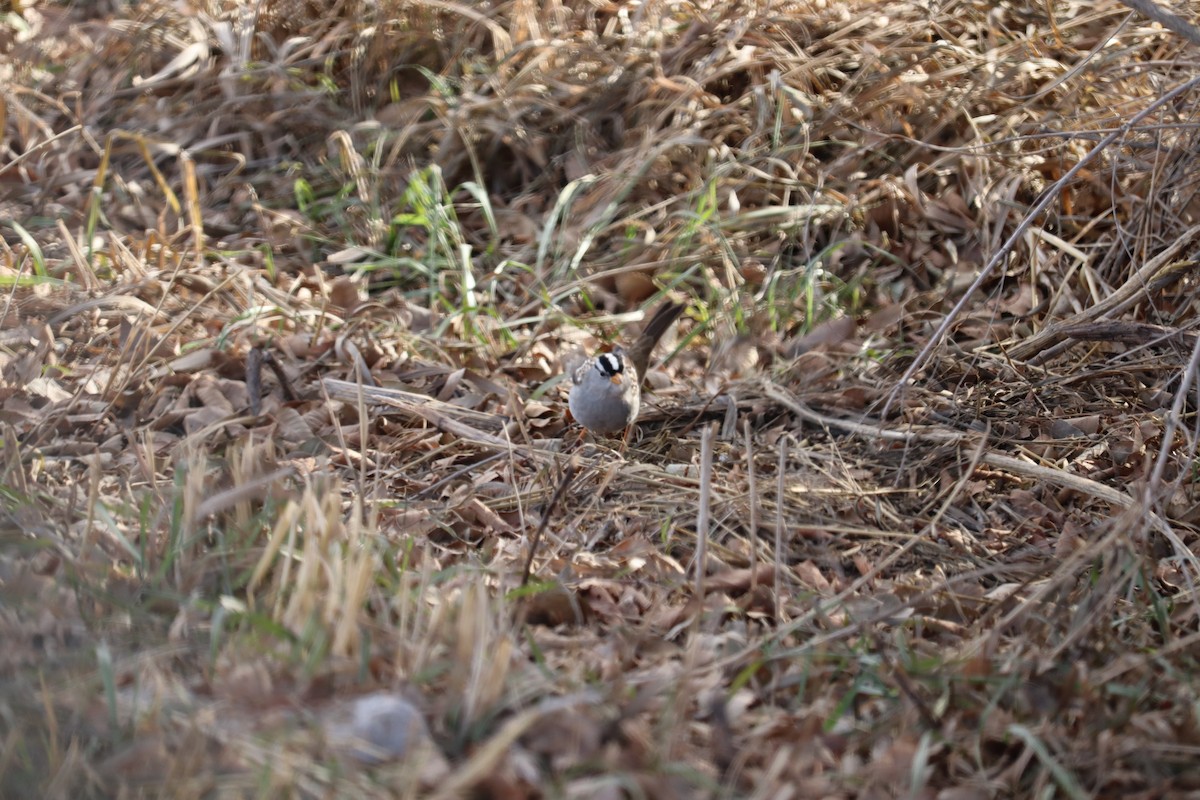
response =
{"points": [[606, 390]]}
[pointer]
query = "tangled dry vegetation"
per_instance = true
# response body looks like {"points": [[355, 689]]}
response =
{"points": [[290, 506]]}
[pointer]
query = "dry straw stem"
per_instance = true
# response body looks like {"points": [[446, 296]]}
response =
{"points": [[702, 511], [752, 488], [1151, 492], [1170, 265], [563, 485], [1170, 21]]}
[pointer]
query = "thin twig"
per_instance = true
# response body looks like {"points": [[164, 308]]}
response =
{"points": [[752, 480], [906, 685], [779, 475], [1168, 435], [568, 476], [706, 458], [437, 485], [1170, 21]]}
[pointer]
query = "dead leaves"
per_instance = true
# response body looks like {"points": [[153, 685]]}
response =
{"points": [[824, 183]]}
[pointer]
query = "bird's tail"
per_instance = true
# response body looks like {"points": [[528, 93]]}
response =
{"points": [[662, 319]]}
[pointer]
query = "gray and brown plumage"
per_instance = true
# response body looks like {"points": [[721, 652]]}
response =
{"points": [[606, 390]]}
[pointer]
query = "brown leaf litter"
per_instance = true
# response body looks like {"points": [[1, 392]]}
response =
{"points": [[287, 487]]}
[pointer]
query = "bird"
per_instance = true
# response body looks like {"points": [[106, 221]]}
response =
{"points": [[606, 389]]}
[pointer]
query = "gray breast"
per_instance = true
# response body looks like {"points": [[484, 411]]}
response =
{"points": [[603, 406]]}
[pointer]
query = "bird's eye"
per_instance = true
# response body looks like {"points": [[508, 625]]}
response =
{"points": [[609, 364]]}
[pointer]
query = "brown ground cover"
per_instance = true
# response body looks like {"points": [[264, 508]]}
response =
{"points": [[289, 504]]}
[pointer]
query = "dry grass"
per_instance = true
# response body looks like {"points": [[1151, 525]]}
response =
{"points": [[288, 292]]}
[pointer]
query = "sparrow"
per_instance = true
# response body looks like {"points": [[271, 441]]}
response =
{"points": [[606, 389]]}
